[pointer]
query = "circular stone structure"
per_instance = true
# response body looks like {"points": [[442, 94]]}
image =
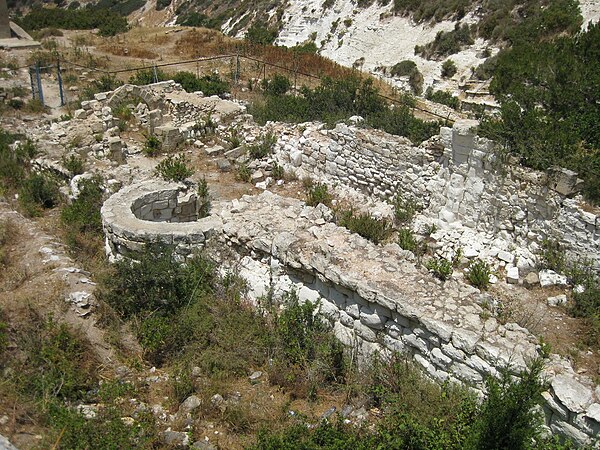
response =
{"points": [[154, 212]]}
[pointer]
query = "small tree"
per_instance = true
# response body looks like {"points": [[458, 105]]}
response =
{"points": [[449, 68]]}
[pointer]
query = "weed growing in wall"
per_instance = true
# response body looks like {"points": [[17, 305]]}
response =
{"points": [[479, 274], [152, 146], [204, 199], [374, 229], [318, 193], [263, 147], [441, 268]]}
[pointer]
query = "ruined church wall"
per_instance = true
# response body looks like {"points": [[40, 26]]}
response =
{"points": [[456, 178]]}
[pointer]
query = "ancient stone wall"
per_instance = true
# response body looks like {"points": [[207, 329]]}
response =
{"points": [[376, 300], [374, 297], [461, 185]]}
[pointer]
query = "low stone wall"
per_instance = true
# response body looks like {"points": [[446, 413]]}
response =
{"points": [[457, 179], [374, 297], [154, 212], [376, 300]]}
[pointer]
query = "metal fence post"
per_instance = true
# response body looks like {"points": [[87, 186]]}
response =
{"points": [[60, 83], [39, 82]]}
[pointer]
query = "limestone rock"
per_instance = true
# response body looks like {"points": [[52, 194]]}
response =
{"points": [[574, 395], [189, 404], [551, 278], [558, 300]]}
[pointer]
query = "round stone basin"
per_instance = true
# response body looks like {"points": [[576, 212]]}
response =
{"points": [[153, 212]]}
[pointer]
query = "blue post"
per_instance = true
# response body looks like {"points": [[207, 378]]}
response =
{"points": [[39, 82]]}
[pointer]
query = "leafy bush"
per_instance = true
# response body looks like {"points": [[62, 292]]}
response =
{"points": [[548, 112], [153, 146], [339, 99], [403, 68], [14, 163], [277, 172], [404, 209], [277, 85], [318, 193], [306, 353], [260, 33], [162, 4], [73, 164], [367, 226], [83, 213], [507, 418], [173, 168], [204, 200], [196, 19], [244, 173], [449, 69], [59, 363], [108, 22], [479, 274], [420, 414], [446, 43], [407, 241], [263, 147], [208, 84], [38, 191], [155, 282], [440, 268], [443, 97], [553, 256]]}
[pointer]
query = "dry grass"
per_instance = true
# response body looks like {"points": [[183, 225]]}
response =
{"points": [[130, 51]]}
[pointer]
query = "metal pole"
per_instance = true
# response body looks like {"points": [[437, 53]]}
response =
{"points": [[39, 82], [60, 83], [33, 95], [237, 67]]}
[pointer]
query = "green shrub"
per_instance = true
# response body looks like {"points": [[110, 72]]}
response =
{"points": [[260, 33], [507, 418], [73, 164], [204, 200], [173, 168], [108, 22], [367, 226], [449, 69], [404, 209], [155, 282], [307, 355], [83, 213], [196, 19], [162, 4], [263, 147], [14, 163], [38, 191], [59, 364], [244, 173], [443, 97], [553, 256], [403, 68], [440, 268], [278, 85], [407, 241], [446, 43], [209, 84], [339, 99], [479, 274], [318, 193], [277, 172], [153, 146]]}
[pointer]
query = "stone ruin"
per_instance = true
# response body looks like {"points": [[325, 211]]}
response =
{"points": [[375, 298]]}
